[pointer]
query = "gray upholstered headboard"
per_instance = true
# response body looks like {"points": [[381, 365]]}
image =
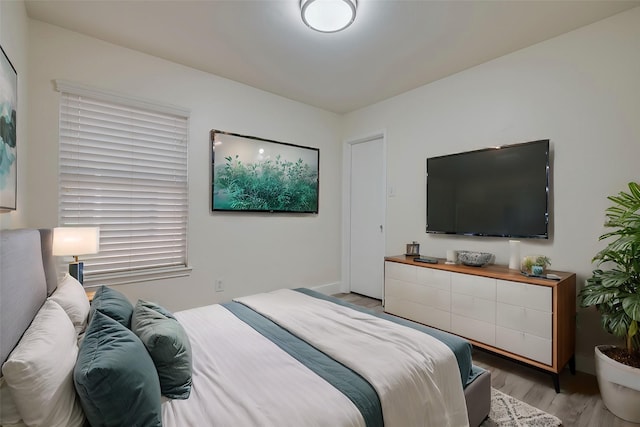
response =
{"points": [[27, 276]]}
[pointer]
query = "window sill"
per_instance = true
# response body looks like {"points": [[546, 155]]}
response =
{"points": [[129, 277]]}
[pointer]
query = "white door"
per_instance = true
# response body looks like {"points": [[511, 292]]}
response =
{"points": [[367, 209]]}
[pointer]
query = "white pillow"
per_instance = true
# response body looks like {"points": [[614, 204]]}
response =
{"points": [[73, 299], [9, 413], [39, 371]]}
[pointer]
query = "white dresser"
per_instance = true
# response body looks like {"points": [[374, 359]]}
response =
{"points": [[528, 319]]}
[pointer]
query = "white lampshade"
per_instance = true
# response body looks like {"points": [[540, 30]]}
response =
{"points": [[328, 16], [76, 241]]}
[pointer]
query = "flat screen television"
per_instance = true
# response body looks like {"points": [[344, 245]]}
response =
{"points": [[251, 174], [501, 191]]}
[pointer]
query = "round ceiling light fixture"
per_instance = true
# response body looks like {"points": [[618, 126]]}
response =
{"points": [[328, 16]]}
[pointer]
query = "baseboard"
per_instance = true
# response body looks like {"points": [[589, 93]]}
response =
{"points": [[328, 289]]}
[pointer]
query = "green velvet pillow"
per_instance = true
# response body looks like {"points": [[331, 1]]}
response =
{"points": [[155, 307], [114, 304], [169, 347], [115, 377]]}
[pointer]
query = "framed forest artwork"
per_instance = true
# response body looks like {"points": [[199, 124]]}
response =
{"points": [[251, 174]]}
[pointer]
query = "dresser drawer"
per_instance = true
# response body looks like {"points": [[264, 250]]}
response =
{"points": [[417, 312], [435, 278], [524, 344], [477, 286], [536, 297], [406, 273], [473, 329], [474, 308], [424, 295], [524, 319]]}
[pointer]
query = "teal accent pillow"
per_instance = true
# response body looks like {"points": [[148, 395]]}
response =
{"points": [[114, 304], [155, 307], [115, 377], [169, 347]]}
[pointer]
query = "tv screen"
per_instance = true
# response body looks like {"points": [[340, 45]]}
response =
{"points": [[502, 191], [251, 174]]}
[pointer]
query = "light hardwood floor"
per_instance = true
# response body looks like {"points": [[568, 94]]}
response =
{"points": [[578, 403]]}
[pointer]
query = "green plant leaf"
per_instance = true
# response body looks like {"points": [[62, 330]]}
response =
{"points": [[634, 188], [631, 305], [597, 298], [596, 294], [616, 323], [615, 291]]}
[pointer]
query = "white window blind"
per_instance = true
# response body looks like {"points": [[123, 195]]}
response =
{"points": [[123, 167]]}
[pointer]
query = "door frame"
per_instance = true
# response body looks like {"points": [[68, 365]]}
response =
{"points": [[346, 202]]}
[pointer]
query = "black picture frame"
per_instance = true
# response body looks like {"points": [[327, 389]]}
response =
{"points": [[8, 133], [251, 174]]}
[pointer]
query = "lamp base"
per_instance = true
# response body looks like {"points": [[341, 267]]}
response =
{"points": [[76, 269]]}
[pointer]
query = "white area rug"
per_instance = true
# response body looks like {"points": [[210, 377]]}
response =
{"points": [[507, 411]]}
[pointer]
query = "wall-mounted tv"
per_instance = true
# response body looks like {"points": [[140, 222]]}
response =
{"points": [[251, 174], [501, 191]]}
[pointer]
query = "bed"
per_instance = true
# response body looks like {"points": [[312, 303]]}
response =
{"points": [[288, 357]]}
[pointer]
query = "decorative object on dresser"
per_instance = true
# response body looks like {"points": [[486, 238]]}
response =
{"points": [[535, 265], [616, 295], [528, 319], [474, 259], [514, 254], [75, 241], [413, 249]]}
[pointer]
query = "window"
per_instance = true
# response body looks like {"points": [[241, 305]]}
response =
{"points": [[123, 167]]}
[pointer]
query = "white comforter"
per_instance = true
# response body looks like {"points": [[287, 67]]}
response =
{"points": [[241, 379], [415, 375]]}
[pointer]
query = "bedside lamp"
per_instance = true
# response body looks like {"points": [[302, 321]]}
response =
{"points": [[75, 241]]}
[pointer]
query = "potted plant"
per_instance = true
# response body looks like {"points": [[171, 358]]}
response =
{"points": [[615, 293], [530, 262]]}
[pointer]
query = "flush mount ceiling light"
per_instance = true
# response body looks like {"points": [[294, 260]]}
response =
{"points": [[328, 16]]}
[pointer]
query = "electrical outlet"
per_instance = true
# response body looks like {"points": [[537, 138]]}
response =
{"points": [[219, 285]]}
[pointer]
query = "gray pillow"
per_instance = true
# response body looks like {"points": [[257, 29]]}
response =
{"points": [[114, 304], [115, 377], [169, 347]]}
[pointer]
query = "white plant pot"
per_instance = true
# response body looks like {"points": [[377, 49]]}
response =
{"points": [[619, 386]]}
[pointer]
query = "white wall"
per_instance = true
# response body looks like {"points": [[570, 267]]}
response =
{"points": [[251, 252], [581, 90], [14, 40]]}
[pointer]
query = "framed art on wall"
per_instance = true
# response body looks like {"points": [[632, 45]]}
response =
{"points": [[251, 174], [8, 142]]}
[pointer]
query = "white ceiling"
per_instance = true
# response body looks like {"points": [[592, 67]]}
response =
{"points": [[392, 47]]}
